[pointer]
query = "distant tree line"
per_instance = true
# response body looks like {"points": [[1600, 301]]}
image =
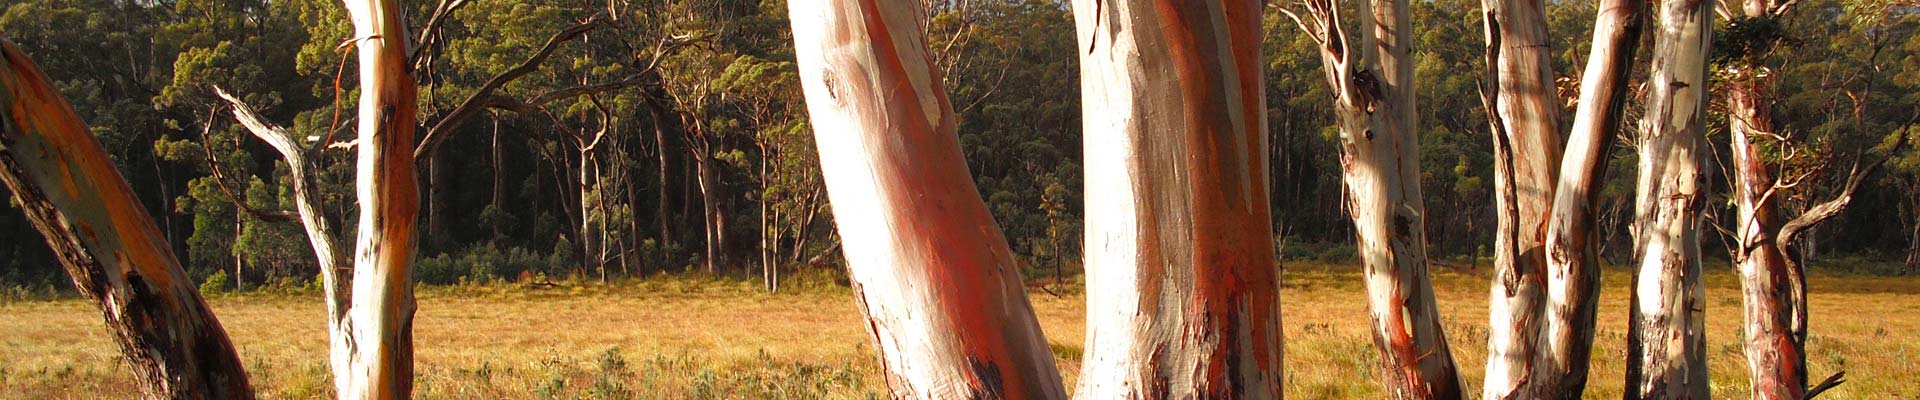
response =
{"points": [[600, 141]]}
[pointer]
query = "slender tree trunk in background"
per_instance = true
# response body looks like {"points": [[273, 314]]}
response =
{"points": [[238, 282], [661, 210], [499, 201], [591, 247], [932, 272], [1380, 158], [1772, 289], [1183, 291], [1913, 239], [1546, 270], [769, 269], [712, 217], [378, 360], [631, 257], [1666, 336], [69, 190], [436, 195]]}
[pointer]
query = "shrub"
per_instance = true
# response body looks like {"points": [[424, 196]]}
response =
{"points": [[479, 264], [215, 283]]}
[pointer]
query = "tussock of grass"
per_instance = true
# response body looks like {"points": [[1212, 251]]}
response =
{"points": [[695, 337]]}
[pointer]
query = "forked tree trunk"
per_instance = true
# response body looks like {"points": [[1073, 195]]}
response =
{"points": [[1666, 336], [933, 274], [1380, 153], [1546, 271], [321, 234], [117, 257], [1183, 292], [377, 359]]}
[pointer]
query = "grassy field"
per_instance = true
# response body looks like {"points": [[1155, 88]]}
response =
{"points": [[693, 338]]}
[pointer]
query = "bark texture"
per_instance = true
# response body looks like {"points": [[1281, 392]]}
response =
{"points": [[1183, 298], [931, 270], [1546, 272], [1666, 336], [117, 257], [377, 362], [1374, 104]]}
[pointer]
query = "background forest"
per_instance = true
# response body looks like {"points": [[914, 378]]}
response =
{"points": [[593, 140]]}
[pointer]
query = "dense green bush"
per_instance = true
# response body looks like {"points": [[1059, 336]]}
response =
{"points": [[215, 283]]}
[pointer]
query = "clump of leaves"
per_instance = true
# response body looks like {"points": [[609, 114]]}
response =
{"points": [[1747, 40]]}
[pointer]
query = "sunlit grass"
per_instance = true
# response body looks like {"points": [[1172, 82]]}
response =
{"points": [[687, 337]]}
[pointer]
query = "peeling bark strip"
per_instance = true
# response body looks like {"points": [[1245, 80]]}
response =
{"points": [[1374, 103], [1546, 273], [376, 361], [108, 244], [1183, 298], [933, 274], [1666, 338]]}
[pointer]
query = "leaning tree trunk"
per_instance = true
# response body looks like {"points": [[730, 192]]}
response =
{"points": [[1183, 292], [117, 257], [1546, 271], [1666, 336], [939, 288], [1380, 153], [377, 361]]}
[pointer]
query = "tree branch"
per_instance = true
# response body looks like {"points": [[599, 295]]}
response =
{"points": [[504, 102], [220, 180], [1832, 380], [473, 103], [306, 197], [430, 34], [1821, 212]]}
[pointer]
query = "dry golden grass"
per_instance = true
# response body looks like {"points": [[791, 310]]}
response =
{"points": [[695, 338]]}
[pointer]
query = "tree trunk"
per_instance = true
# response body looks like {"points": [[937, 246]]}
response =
{"points": [[768, 236], [660, 210], [1913, 239], [436, 203], [1773, 290], [499, 201], [712, 218], [933, 274], [1666, 338], [1380, 158], [69, 190], [1773, 294], [1183, 291], [592, 249], [377, 360], [1546, 269]]}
